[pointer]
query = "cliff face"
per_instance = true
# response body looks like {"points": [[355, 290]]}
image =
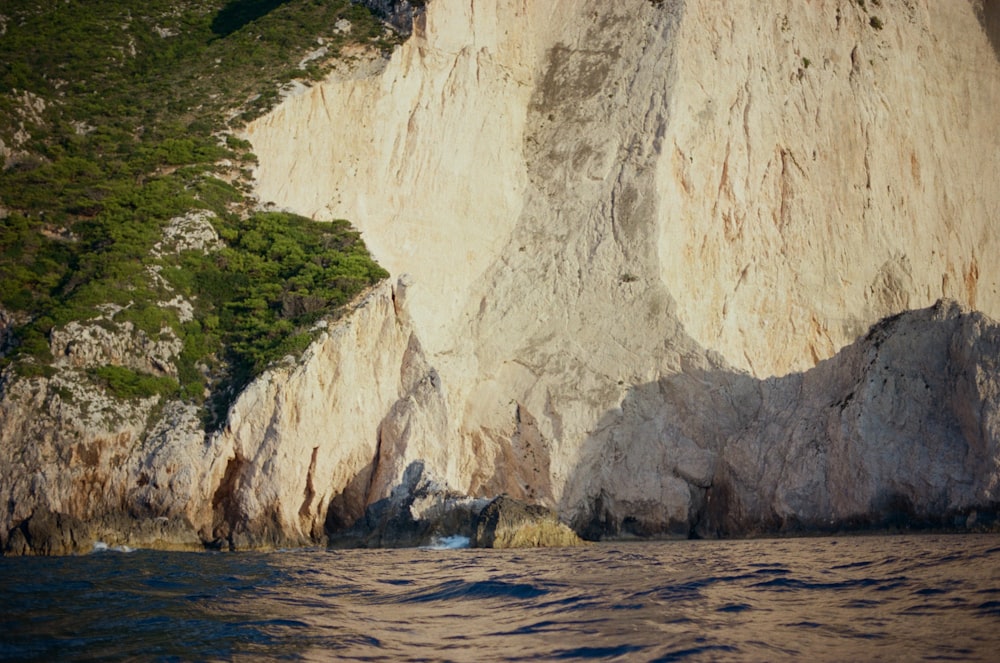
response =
{"points": [[598, 199], [799, 151], [637, 248], [86, 466]]}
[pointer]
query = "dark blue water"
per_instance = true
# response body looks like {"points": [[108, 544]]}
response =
{"points": [[837, 599]]}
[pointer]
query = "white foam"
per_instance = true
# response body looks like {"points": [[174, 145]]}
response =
{"points": [[448, 542], [100, 546]]}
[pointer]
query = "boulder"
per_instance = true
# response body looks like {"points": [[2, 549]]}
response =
{"points": [[511, 523]]}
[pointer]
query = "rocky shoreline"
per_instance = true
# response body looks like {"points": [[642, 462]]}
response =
{"points": [[660, 269]]}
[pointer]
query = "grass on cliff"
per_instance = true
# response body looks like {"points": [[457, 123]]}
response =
{"points": [[118, 116]]}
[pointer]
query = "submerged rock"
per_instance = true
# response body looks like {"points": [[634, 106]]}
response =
{"points": [[510, 523]]}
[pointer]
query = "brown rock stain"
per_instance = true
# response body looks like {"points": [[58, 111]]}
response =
{"points": [[972, 281]]}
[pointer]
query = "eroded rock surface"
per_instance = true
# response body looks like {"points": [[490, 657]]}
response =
{"points": [[510, 523], [898, 429], [638, 249], [620, 218], [398, 13]]}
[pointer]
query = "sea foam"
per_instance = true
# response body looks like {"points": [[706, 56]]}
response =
{"points": [[448, 542], [100, 546]]}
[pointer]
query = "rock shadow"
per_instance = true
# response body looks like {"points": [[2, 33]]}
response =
{"points": [[900, 430], [988, 13], [239, 13], [648, 468], [403, 15], [419, 510]]}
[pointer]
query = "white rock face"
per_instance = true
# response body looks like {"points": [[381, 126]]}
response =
{"points": [[823, 174], [593, 197], [297, 450], [798, 149], [300, 437], [636, 247]]}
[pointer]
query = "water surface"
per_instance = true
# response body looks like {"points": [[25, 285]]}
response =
{"points": [[857, 598]]}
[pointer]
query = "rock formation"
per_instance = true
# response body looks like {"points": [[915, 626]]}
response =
{"points": [[898, 429], [398, 13], [509, 523], [664, 268], [596, 209]]}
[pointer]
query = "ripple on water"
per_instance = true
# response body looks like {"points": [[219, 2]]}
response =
{"points": [[457, 590], [861, 598]]}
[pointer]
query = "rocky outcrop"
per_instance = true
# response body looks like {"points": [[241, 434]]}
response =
{"points": [[102, 341], [292, 462], [662, 268], [70, 452], [418, 511], [898, 429], [509, 523], [7, 324], [192, 232], [400, 14]]}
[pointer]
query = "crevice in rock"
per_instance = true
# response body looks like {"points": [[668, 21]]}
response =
{"points": [[225, 505], [305, 511]]}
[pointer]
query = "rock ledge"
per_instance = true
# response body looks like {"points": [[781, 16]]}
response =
{"points": [[509, 523]]}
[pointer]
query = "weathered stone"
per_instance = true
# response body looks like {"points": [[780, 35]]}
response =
{"points": [[619, 218], [510, 523], [192, 232], [102, 341], [638, 246], [418, 511], [400, 14], [900, 428]]}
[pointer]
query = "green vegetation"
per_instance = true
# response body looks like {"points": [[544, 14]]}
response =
{"points": [[874, 21], [260, 295], [117, 116], [126, 383]]}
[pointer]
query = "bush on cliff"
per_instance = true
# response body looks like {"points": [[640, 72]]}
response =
{"points": [[116, 117]]}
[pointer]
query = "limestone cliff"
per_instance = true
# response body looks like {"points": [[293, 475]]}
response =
{"points": [[662, 267], [597, 200], [294, 458]]}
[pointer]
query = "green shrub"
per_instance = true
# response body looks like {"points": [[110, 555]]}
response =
{"points": [[32, 369], [136, 95], [126, 384], [280, 273]]}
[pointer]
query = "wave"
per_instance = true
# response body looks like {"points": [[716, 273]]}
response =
{"points": [[101, 546], [667, 601], [452, 590], [448, 543]]}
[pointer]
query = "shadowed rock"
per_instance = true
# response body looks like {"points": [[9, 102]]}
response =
{"points": [[510, 523]]}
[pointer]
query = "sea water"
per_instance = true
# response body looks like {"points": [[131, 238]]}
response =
{"points": [[906, 598]]}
